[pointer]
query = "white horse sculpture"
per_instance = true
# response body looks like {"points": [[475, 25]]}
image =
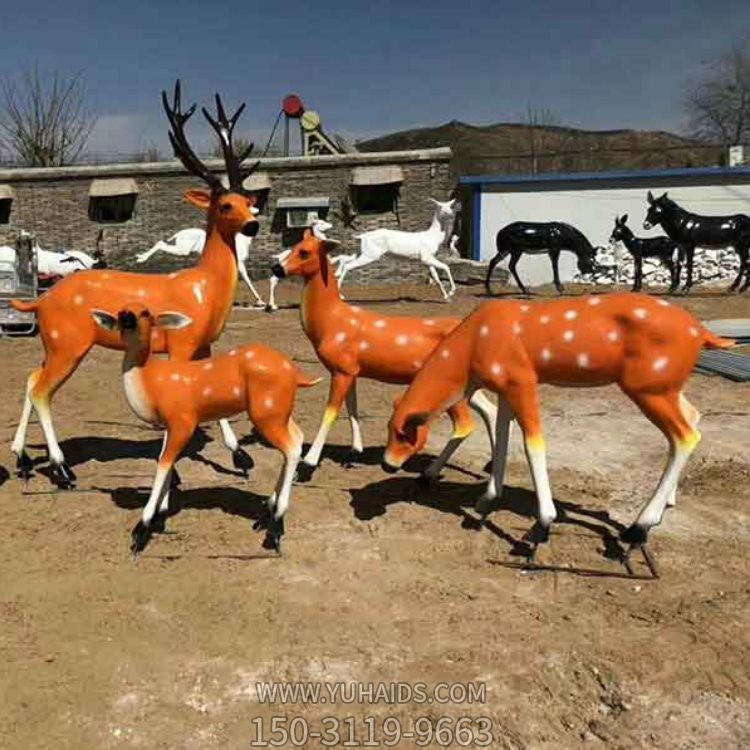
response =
{"points": [[188, 241], [422, 246]]}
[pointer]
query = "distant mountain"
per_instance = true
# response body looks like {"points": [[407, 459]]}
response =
{"points": [[518, 148]]}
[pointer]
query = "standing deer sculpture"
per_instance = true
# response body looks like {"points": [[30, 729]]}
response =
{"points": [[353, 343], [646, 346], [422, 246], [203, 293], [692, 231]]}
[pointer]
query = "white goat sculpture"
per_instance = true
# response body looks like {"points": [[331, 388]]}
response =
{"points": [[188, 241], [422, 246]]}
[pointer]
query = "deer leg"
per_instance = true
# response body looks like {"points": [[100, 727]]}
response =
{"points": [[745, 268], [463, 426], [351, 407], [673, 277], [24, 464], [439, 265], [436, 279], [500, 255], [693, 416], [358, 262], [178, 434], [667, 413], [246, 278], [523, 399], [514, 258], [490, 500], [57, 368], [690, 255], [638, 280], [340, 385], [554, 257], [273, 282]]}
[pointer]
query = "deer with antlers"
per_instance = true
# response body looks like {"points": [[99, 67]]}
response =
{"points": [[204, 293], [179, 395], [353, 343], [648, 347]]}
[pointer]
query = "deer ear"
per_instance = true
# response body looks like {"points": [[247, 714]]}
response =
{"points": [[624, 220], [307, 233], [104, 320], [199, 198], [173, 321], [650, 198]]}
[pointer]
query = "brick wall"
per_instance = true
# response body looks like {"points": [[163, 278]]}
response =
{"points": [[54, 204]]}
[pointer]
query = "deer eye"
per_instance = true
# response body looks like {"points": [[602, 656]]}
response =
{"points": [[226, 208], [304, 254]]}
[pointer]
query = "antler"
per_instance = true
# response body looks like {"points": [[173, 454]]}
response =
{"points": [[182, 150], [224, 127]]}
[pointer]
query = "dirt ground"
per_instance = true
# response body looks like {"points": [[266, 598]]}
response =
{"points": [[380, 581]]}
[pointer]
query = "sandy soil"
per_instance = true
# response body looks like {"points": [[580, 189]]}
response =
{"points": [[380, 580]]}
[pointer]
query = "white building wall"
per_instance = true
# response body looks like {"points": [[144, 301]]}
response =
{"points": [[593, 212]]}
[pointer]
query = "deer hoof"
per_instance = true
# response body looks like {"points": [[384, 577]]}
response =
{"points": [[175, 480], [159, 523], [24, 466], [271, 308], [634, 535], [273, 534], [304, 472], [486, 505], [139, 538], [242, 460], [63, 476]]}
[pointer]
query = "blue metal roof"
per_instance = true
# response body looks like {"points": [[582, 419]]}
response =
{"points": [[644, 174]]}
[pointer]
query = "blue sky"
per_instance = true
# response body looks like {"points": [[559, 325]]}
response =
{"points": [[371, 68]]}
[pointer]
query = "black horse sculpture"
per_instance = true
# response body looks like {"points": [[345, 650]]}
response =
{"points": [[692, 230], [668, 252], [549, 238]]}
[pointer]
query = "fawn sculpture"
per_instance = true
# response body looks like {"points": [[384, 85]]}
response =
{"points": [[203, 293], [646, 346], [179, 395], [354, 343]]}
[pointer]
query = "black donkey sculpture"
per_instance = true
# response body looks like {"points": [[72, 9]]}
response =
{"points": [[668, 252], [548, 238], [692, 230]]}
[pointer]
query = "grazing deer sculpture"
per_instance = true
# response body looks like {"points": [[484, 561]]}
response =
{"points": [[354, 343], [646, 346], [668, 252], [179, 395], [203, 293], [692, 231]]}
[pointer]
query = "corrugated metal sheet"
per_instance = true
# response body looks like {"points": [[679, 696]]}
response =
{"points": [[385, 175], [114, 187], [313, 201]]}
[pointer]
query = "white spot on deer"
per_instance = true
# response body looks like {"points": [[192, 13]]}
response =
{"points": [[159, 378], [568, 336], [198, 292], [340, 337], [582, 360], [640, 313], [186, 379], [363, 345], [236, 391], [286, 365], [525, 308], [544, 319], [445, 353], [402, 339], [516, 328], [593, 301], [175, 376], [429, 322], [105, 275], [353, 321], [172, 276], [663, 303], [484, 331], [417, 364], [571, 315], [55, 334], [268, 402], [694, 331], [356, 308], [379, 324], [232, 352], [208, 366], [207, 391], [141, 292], [613, 336], [546, 355], [496, 368], [249, 354], [660, 364], [78, 299]]}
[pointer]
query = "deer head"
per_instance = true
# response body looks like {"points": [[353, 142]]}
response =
{"points": [[308, 258], [618, 233], [407, 434], [656, 210], [230, 210]]}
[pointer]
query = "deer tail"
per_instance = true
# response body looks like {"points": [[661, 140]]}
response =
{"points": [[712, 341], [303, 381], [21, 306]]}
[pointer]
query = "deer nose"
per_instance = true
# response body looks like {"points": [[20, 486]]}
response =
{"points": [[127, 320], [251, 229], [278, 270], [388, 468]]}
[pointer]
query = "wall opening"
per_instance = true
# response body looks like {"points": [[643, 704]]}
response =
{"points": [[6, 203], [375, 190], [112, 201]]}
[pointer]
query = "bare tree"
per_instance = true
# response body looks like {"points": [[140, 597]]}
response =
{"points": [[44, 123], [718, 107], [539, 135]]}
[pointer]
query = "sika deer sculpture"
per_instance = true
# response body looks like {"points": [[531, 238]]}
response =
{"points": [[354, 343], [646, 346], [256, 379], [204, 293]]}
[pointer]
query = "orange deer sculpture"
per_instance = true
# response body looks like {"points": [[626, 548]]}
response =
{"points": [[352, 343], [203, 293], [179, 395], [646, 346]]}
